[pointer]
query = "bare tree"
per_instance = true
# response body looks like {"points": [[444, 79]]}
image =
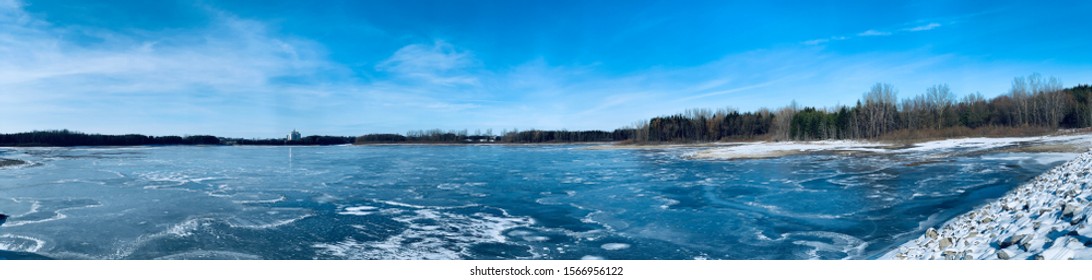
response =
{"points": [[879, 109], [1019, 93], [939, 99], [783, 121]]}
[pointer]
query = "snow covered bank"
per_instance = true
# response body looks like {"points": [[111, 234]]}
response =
{"points": [[776, 149], [1047, 218], [940, 148]]}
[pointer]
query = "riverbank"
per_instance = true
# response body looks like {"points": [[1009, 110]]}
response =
{"points": [[935, 149], [1047, 218]]}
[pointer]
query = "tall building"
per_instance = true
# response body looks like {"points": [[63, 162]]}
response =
{"points": [[294, 136]]}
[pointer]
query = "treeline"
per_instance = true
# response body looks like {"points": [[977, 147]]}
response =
{"points": [[514, 136], [703, 125], [314, 140], [434, 136], [565, 136], [67, 138], [1033, 103]]}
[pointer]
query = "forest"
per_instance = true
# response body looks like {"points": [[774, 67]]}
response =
{"points": [[1033, 105], [67, 138]]}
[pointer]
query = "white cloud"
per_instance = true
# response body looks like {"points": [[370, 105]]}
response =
{"points": [[439, 63], [232, 72], [816, 42], [873, 32], [930, 26]]}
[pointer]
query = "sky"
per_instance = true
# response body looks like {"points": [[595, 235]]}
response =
{"points": [[258, 69]]}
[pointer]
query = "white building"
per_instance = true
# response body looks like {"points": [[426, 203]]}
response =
{"points": [[294, 136]]}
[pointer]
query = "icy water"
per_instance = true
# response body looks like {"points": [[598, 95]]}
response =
{"points": [[480, 202]]}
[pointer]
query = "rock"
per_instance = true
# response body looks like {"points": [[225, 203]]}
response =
{"points": [[945, 242], [985, 220], [1012, 240], [1076, 220], [1033, 244], [1001, 254], [1068, 209], [3, 218], [952, 255], [931, 233]]}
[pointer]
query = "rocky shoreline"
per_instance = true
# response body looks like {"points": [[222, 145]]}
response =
{"points": [[1047, 218]]}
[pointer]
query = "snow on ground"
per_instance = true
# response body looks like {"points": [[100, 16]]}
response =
{"points": [[776, 149], [983, 143], [1047, 218], [940, 147]]}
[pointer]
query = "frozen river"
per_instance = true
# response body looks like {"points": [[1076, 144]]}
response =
{"points": [[481, 202]]}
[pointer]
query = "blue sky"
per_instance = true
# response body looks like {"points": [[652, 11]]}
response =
{"points": [[262, 68]]}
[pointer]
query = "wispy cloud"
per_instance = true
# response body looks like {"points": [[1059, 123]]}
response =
{"points": [[439, 63], [930, 26], [232, 77], [824, 40], [873, 32]]}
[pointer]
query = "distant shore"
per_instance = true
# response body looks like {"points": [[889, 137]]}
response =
{"points": [[1058, 143]]}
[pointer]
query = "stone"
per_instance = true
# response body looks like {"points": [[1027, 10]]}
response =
{"points": [[1076, 220], [952, 255], [1068, 209], [1001, 254], [1012, 240], [931, 233], [945, 242], [985, 220]]}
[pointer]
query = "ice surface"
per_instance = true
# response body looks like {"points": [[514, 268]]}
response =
{"points": [[486, 202]]}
